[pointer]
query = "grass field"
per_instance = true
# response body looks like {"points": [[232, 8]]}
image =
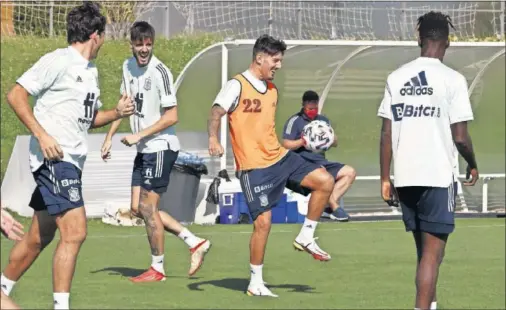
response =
{"points": [[372, 268]]}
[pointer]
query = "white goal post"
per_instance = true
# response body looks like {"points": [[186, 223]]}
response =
{"points": [[354, 50]]}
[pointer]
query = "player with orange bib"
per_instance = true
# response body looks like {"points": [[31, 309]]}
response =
{"points": [[263, 166]]}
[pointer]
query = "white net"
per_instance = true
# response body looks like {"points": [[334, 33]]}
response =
{"points": [[307, 20], [48, 18], [403, 21], [294, 19]]}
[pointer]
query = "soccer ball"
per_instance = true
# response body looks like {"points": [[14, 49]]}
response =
{"points": [[319, 136]]}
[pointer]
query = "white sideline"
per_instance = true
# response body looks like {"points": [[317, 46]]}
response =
{"points": [[294, 231]]}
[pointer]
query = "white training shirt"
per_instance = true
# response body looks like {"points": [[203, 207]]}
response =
{"points": [[65, 86], [228, 97], [152, 88], [423, 98]]}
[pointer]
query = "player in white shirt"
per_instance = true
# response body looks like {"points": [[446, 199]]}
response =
{"points": [[65, 85], [150, 82], [425, 112]]}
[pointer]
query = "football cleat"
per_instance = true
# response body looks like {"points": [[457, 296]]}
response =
{"points": [[197, 256], [151, 275], [259, 290], [312, 248]]}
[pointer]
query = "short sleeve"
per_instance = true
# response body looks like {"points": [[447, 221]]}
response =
{"points": [[42, 75], [228, 96], [98, 104], [165, 85], [460, 106], [124, 79], [385, 109], [122, 87], [292, 130]]}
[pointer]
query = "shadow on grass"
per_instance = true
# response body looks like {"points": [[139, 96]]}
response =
{"points": [[237, 284]]}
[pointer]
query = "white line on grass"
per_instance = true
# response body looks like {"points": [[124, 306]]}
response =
{"points": [[290, 231]]}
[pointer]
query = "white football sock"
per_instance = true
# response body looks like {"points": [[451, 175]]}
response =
{"points": [[308, 229], [256, 274], [61, 300], [6, 284], [157, 263], [433, 305], [190, 239]]}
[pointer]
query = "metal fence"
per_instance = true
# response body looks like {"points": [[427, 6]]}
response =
{"points": [[249, 19]]}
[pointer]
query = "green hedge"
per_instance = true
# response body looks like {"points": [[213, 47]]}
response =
{"points": [[20, 53]]}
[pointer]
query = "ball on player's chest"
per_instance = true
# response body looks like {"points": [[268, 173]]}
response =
{"points": [[319, 136]]}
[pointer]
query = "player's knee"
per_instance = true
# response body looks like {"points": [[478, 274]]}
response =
{"points": [[74, 235], [146, 209], [40, 240], [352, 173], [326, 182], [348, 172], [262, 223]]}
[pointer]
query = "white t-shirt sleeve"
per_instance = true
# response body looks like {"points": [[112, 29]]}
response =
{"points": [[124, 77], [228, 96], [460, 106], [42, 75], [385, 109], [165, 86]]}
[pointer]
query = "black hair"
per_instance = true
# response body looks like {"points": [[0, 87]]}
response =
{"points": [[83, 21], [267, 44], [310, 96], [142, 30], [434, 26]]}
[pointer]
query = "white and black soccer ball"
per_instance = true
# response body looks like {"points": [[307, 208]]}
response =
{"points": [[319, 136]]}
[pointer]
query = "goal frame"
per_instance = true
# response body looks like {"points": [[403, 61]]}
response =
{"points": [[361, 46]]}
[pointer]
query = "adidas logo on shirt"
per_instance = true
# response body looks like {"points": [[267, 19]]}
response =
{"points": [[417, 86], [79, 79]]}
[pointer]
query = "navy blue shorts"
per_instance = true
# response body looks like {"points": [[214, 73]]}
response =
{"points": [[428, 209], [332, 167], [263, 188], [58, 188], [152, 170]]}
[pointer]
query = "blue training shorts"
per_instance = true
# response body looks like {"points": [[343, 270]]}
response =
{"points": [[428, 209], [152, 170], [262, 188], [58, 187]]}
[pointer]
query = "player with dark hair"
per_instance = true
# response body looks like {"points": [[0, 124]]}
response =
{"points": [[150, 82], [65, 85], [263, 166], [425, 96], [293, 140]]}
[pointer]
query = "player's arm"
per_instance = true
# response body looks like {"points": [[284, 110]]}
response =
{"points": [[385, 113], [18, 101], [168, 103], [292, 139], [124, 108], [225, 102], [40, 77], [334, 144], [385, 149], [460, 112]]}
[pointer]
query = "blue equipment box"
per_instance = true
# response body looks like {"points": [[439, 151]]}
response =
{"points": [[233, 206]]}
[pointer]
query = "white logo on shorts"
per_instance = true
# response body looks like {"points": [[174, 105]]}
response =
{"points": [[264, 200], [149, 173], [74, 194]]}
